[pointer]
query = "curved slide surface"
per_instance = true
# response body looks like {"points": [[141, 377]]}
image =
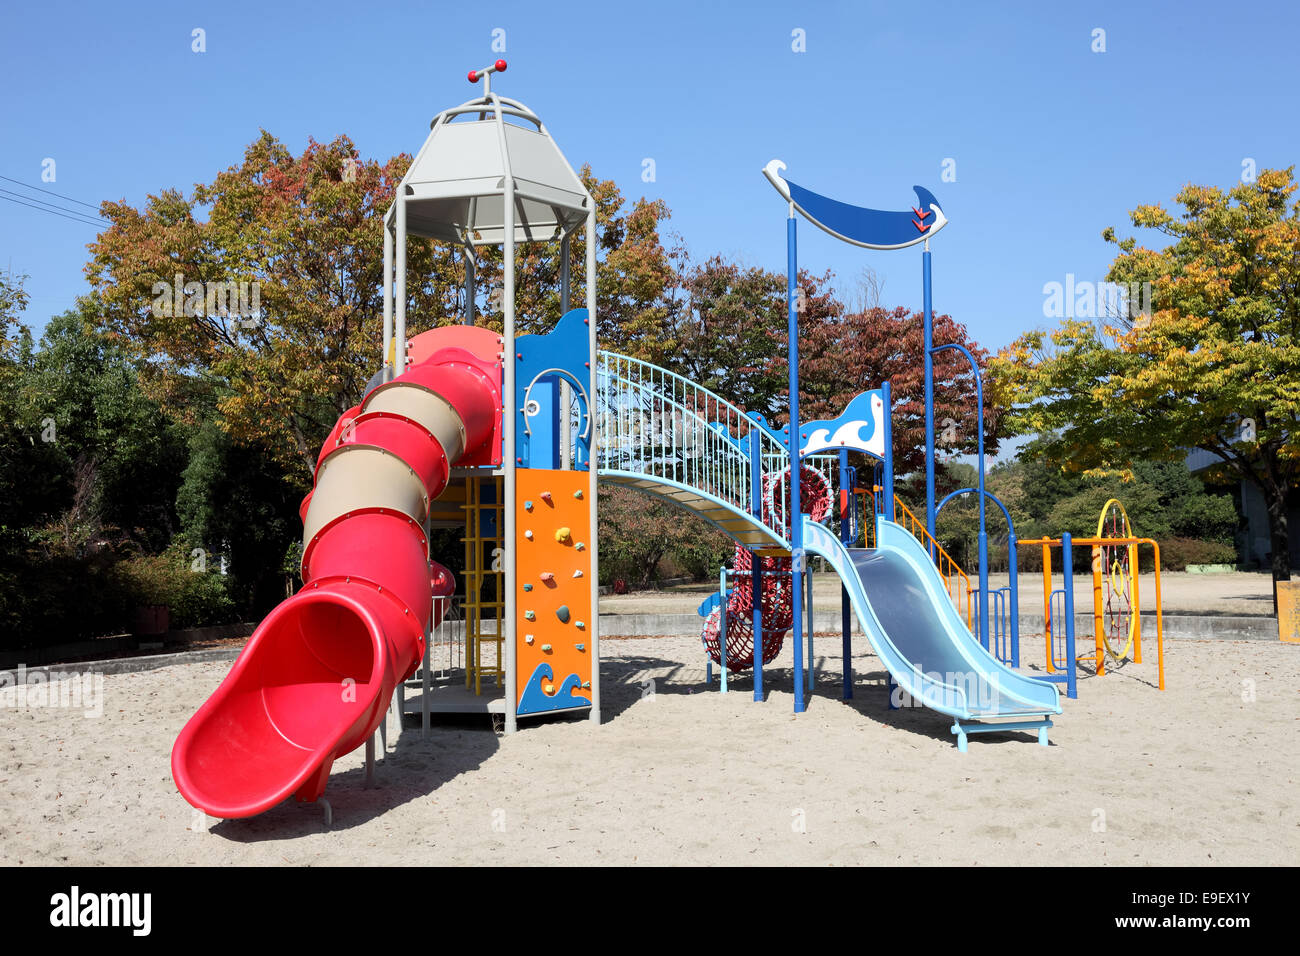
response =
{"points": [[314, 681], [901, 603]]}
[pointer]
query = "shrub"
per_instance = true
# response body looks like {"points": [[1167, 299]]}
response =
{"points": [[195, 597], [1177, 553], [637, 532]]}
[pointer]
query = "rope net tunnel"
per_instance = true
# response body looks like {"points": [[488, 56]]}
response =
{"points": [[777, 583]]}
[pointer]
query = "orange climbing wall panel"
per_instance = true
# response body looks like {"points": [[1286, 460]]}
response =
{"points": [[553, 582]]}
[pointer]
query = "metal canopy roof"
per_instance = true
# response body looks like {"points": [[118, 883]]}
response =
{"points": [[456, 186]]}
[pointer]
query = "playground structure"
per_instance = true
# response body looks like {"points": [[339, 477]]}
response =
{"points": [[1116, 599], [505, 437]]}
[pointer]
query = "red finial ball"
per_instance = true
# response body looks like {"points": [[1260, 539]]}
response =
{"points": [[501, 66], [473, 76]]}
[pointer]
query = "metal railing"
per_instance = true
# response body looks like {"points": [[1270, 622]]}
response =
{"points": [[657, 424], [955, 580]]}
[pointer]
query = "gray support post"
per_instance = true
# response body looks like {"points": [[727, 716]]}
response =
{"points": [[471, 287], [426, 685], [510, 583], [399, 317], [594, 544], [386, 365], [565, 390]]}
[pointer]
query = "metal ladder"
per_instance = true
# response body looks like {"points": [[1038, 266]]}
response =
{"points": [[478, 573]]}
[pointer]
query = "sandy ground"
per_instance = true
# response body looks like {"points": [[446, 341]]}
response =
{"points": [[1182, 593], [1203, 773]]}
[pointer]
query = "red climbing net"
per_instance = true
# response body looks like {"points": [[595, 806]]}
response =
{"points": [[777, 586]]}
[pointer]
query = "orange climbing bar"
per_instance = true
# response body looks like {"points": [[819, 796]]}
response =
{"points": [[1047, 543]]}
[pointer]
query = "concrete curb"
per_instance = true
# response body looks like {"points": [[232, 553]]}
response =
{"points": [[54, 654], [1177, 627], [125, 665]]}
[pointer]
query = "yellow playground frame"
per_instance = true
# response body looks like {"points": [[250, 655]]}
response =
{"points": [[1101, 572]]}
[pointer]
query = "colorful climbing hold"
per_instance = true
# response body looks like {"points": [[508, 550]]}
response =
{"points": [[581, 647], [580, 546], [563, 534], [528, 534], [579, 625], [547, 577], [528, 506], [578, 573], [562, 612], [549, 688], [530, 615], [528, 638], [578, 494], [546, 496], [528, 587], [546, 648]]}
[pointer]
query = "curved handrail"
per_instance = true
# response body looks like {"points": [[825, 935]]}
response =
{"points": [[657, 423]]}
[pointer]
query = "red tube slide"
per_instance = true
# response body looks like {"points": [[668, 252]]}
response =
{"points": [[316, 677]]}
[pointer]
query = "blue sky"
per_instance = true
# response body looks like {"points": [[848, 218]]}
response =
{"points": [[1051, 142]]}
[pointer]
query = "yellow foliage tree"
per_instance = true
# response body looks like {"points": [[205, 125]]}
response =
{"points": [[1215, 365]]}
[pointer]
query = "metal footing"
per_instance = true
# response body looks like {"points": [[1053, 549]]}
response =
{"points": [[963, 731]]}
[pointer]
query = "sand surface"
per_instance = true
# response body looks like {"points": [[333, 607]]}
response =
{"points": [[1197, 774]]}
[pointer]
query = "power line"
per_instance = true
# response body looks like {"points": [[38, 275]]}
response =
{"points": [[51, 192], [67, 214], [56, 206], [43, 206]]}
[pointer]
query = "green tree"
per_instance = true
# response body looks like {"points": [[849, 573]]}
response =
{"points": [[239, 506], [1213, 367]]}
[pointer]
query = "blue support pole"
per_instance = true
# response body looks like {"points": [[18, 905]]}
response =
{"points": [[888, 482], [812, 632], [795, 515], [755, 563], [1071, 665], [983, 533], [722, 628], [846, 532], [1015, 598], [928, 347]]}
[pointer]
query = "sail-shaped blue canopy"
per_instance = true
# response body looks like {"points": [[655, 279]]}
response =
{"points": [[872, 228]]}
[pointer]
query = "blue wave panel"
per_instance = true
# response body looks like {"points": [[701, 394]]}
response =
{"points": [[860, 427], [534, 700]]}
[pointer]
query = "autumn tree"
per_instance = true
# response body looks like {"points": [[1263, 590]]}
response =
{"points": [[305, 235], [727, 333], [1214, 366], [298, 242], [841, 356]]}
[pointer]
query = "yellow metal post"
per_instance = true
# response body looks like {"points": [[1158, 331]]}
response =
{"points": [[1047, 603], [1135, 607], [1098, 613]]}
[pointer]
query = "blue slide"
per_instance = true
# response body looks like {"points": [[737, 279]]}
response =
{"points": [[905, 611]]}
